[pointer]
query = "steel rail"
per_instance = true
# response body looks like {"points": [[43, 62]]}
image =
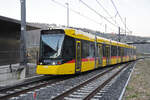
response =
{"points": [[30, 88], [88, 97], [70, 91], [66, 93], [23, 84]]}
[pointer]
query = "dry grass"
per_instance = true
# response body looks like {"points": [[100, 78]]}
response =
{"points": [[139, 85]]}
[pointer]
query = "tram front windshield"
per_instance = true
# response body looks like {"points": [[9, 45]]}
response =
{"points": [[51, 45]]}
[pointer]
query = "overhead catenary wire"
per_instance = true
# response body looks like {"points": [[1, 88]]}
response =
{"points": [[88, 18], [98, 13], [124, 23], [106, 11], [102, 7], [117, 13]]}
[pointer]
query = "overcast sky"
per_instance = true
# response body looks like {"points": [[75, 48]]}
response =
{"points": [[137, 13]]}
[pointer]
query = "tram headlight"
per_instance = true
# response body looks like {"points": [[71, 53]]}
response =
{"points": [[41, 63], [53, 63], [56, 62]]}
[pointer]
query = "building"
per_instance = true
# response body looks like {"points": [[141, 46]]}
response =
{"points": [[10, 40]]}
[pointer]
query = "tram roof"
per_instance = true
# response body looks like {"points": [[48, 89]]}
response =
{"points": [[90, 37]]}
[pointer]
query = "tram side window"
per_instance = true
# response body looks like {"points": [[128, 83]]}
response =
{"points": [[112, 47], [104, 52], [85, 49], [129, 51], [119, 51], [113, 51], [122, 51], [134, 51], [125, 51], [107, 49], [69, 48], [91, 50]]}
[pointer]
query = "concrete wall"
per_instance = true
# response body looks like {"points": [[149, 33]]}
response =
{"points": [[9, 48]]}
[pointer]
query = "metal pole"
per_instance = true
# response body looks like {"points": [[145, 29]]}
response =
{"points": [[119, 34], [125, 25], [105, 28], [95, 49], [67, 14], [23, 59]]}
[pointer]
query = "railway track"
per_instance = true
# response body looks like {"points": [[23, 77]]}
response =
{"points": [[89, 88], [11, 91], [68, 87]]}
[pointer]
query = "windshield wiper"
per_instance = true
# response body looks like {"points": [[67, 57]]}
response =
{"points": [[57, 46]]}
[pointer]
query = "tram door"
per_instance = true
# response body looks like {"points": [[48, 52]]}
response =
{"points": [[78, 57], [107, 55], [122, 54], [100, 55], [118, 54]]}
